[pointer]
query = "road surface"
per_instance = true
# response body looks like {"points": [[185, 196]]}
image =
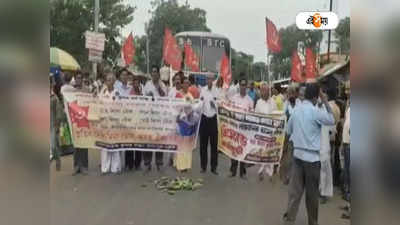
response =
{"points": [[121, 199]]}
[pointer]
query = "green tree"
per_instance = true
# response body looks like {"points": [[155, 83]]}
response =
{"points": [[140, 56], [177, 18], [69, 19], [259, 71], [241, 63], [290, 37], [342, 33]]}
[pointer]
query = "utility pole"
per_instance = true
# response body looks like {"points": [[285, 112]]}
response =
{"points": [[96, 29], [329, 34], [147, 49]]}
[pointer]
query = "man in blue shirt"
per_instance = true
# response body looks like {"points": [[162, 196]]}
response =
{"points": [[252, 92], [304, 129]]}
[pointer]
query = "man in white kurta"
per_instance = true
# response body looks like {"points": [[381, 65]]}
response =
{"points": [[326, 182], [265, 105], [155, 88], [110, 161], [124, 90]]}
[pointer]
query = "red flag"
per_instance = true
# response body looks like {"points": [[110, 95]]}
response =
{"points": [[310, 64], [191, 59], [297, 68], [171, 52], [225, 71], [128, 50], [273, 39], [78, 114]]}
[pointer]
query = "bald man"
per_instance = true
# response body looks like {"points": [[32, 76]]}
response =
{"points": [[265, 105]]}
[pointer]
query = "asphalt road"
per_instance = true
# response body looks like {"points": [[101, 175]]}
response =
{"points": [[121, 199]]}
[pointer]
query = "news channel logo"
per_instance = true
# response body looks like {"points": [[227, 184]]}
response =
{"points": [[317, 20]]}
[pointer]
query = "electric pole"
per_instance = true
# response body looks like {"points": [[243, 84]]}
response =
{"points": [[147, 48], [96, 29], [329, 34]]}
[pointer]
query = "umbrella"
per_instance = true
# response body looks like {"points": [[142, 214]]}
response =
{"points": [[63, 59]]}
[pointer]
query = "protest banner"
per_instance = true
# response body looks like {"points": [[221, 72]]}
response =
{"points": [[250, 137], [116, 123]]}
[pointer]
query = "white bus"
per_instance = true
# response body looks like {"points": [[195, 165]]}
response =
{"points": [[209, 47]]}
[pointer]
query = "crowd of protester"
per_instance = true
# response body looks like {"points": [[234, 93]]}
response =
{"points": [[316, 154]]}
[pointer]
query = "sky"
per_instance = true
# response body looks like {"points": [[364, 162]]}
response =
{"points": [[243, 21]]}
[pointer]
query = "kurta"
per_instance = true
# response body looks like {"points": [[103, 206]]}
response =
{"points": [[326, 179], [110, 161]]}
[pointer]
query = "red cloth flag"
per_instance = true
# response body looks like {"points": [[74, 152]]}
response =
{"points": [[128, 50], [78, 114], [225, 71], [191, 59], [171, 52], [310, 64], [273, 39], [297, 68]]}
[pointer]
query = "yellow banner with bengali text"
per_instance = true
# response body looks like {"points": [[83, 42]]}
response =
{"points": [[142, 123]]}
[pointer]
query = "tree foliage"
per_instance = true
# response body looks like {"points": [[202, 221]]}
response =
{"points": [[241, 63], [177, 18], [259, 71], [140, 56], [291, 36], [342, 33], [69, 19], [244, 63]]}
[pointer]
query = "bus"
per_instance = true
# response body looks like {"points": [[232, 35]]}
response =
{"points": [[209, 47]]}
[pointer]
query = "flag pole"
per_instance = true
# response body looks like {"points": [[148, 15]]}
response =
{"points": [[269, 72]]}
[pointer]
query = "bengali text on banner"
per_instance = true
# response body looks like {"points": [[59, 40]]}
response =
{"points": [[132, 123], [250, 137]]}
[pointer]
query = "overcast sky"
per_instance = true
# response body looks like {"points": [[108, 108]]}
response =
{"points": [[243, 21]]}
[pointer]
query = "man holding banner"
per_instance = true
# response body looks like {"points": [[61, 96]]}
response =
{"points": [[244, 102], [124, 90], [154, 88], [265, 105], [81, 155], [110, 160]]}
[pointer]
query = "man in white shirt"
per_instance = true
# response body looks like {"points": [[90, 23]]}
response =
{"points": [[175, 90], [346, 153], [233, 89], [121, 85], [244, 102], [265, 105], [155, 88], [81, 155], [165, 74], [67, 86], [124, 90], [110, 160], [208, 125], [291, 102]]}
